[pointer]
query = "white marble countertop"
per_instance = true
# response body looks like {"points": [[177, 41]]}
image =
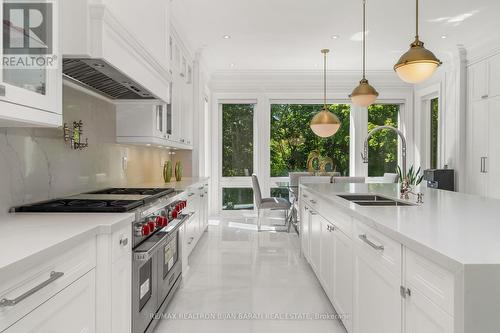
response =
{"points": [[23, 235], [453, 228]]}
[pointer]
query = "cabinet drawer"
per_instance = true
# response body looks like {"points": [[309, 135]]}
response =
{"points": [[378, 247], [311, 200], [121, 243], [341, 220], [36, 283], [71, 310], [433, 281]]}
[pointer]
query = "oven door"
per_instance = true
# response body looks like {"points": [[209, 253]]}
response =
{"points": [[170, 267], [145, 293]]}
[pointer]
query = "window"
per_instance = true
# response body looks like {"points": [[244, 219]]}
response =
{"points": [[237, 140], [292, 140], [237, 198], [383, 146], [434, 133], [278, 192]]}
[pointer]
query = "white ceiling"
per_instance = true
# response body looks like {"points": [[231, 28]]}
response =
{"points": [[288, 34]]}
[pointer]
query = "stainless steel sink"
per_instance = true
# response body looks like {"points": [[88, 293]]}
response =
{"points": [[374, 200], [363, 197], [382, 203]]}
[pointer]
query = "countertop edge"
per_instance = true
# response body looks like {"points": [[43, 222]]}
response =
{"points": [[434, 255]]}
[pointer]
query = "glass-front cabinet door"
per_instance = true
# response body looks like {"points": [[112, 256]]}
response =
{"points": [[30, 75]]}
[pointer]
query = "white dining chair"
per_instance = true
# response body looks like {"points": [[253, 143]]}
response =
{"points": [[268, 203]]}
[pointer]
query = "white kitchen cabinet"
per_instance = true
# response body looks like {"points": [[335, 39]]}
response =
{"points": [[377, 299], [478, 147], [483, 156], [32, 97], [146, 123], [121, 299], [478, 81], [493, 72], [327, 243], [483, 113], [315, 241], [342, 286], [423, 316], [182, 92], [492, 163], [304, 229], [71, 310]]}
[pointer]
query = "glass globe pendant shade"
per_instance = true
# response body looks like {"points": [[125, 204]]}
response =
{"points": [[325, 124], [418, 64], [364, 94]]}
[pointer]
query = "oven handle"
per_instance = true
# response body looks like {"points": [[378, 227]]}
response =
{"points": [[146, 255]]}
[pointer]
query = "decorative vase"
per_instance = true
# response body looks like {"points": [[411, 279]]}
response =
{"points": [[178, 171], [167, 171]]}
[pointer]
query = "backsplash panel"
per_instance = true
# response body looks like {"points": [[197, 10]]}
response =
{"points": [[36, 164]]}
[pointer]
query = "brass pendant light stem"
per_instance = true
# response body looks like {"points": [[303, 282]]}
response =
{"points": [[416, 21], [364, 39], [325, 52]]}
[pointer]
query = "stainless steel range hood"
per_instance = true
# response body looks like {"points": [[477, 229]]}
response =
{"points": [[101, 77]]}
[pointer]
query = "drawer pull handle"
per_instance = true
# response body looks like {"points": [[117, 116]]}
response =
{"points": [[305, 196], [313, 212], [11, 302], [365, 239], [191, 239], [484, 96], [124, 241], [312, 201]]}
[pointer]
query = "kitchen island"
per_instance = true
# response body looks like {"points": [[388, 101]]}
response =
{"points": [[430, 267]]}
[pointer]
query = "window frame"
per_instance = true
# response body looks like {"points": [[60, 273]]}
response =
{"points": [[262, 101], [239, 181], [423, 99]]}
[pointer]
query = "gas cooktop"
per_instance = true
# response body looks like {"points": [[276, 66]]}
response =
{"points": [[113, 200]]}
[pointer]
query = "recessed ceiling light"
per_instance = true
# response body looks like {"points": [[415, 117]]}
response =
{"points": [[444, 36], [335, 37], [226, 37], [232, 65]]}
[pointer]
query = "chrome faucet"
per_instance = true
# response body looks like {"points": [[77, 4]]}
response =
{"points": [[405, 186]]}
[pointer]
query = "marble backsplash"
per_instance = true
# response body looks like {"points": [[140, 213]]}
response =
{"points": [[36, 164]]}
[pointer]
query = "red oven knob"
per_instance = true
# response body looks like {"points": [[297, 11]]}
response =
{"points": [[175, 213], [152, 226], [185, 203], [145, 230], [161, 221]]}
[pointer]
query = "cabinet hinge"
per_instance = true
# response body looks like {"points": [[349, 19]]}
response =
{"points": [[405, 292]]}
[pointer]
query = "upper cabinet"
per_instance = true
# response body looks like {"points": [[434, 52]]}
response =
{"points": [[30, 78], [482, 79], [128, 39]]}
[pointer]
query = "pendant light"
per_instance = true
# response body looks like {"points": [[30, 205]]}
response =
{"points": [[325, 124], [418, 64], [364, 94]]}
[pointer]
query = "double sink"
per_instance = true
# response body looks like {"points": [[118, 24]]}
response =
{"points": [[374, 200]]}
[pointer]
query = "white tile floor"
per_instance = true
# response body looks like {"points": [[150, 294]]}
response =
{"points": [[236, 271]]}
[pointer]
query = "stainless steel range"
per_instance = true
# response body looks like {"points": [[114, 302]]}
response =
{"points": [[156, 257], [156, 262]]}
